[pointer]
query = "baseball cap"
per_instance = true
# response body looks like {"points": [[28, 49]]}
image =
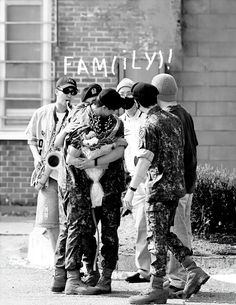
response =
{"points": [[145, 94], [110, 98], [90, 91], [65, 82]]}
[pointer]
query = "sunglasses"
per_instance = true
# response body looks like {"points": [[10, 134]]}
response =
{"points": [[67, 90]]}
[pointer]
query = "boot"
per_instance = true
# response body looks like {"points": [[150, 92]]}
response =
{"points": [[195, 279], [74, 285], [156, 293], [92, 276], [104, 284], [59, 280]]}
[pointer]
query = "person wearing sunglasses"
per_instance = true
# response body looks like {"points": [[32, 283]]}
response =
{"points": [[45, 124]]}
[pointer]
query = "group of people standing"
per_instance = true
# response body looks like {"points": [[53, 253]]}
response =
{"points": [[143, 161]]}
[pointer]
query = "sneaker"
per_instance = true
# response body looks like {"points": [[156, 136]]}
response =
{"points": [[136, 278]]}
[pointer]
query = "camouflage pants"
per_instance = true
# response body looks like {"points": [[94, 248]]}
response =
{"points": [[77, 233], [159, 220]]}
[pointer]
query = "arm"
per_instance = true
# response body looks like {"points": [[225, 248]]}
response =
{"points": [[73, 156], [59, 141], [35, 153], [114, 155], [139, 175]]}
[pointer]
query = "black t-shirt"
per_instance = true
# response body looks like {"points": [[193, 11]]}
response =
{"points": [[190, 147]]}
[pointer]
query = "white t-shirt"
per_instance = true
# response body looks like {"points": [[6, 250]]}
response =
{"points": [[131, 132]]}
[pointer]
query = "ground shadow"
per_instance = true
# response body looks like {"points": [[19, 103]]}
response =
{"points": [[122, 294], [201, 297], [214, 297]]}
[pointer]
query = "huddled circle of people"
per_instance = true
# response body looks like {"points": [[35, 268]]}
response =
{"points": [[129, 150]]}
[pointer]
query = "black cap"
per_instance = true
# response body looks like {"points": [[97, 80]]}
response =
{"points": [[145, 94], [110, 98], [90, 91]]}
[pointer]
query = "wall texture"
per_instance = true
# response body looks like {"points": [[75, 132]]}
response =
{"points": [[16, 166], [207, 77], [104, 29]]}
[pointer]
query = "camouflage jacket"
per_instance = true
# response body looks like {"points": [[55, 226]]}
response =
{"points": [[162, 142], [113, 180]]}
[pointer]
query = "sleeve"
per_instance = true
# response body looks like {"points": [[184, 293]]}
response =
{"points": [[74, 139], [148, 143], [120, 131], [30, 131]]}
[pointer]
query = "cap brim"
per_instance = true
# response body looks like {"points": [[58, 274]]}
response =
{"points": [[68, 85]]}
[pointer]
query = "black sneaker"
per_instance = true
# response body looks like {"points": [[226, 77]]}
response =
{"points": [[136, 278]]}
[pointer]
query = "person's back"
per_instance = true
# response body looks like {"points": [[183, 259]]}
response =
{"points": [[167, 99], [168, 157], [190, 147]]}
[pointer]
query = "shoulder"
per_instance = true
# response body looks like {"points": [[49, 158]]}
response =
{"points": [[180, 111], [80, 115], [44, 110]]}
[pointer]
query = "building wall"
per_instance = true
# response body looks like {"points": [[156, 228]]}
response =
{"points": [[16, 165], [203, 63], [104, 29], [208, 77]]}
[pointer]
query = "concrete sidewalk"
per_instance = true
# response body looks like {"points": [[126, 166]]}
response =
{"points": [[22, 283], [23, 226]]}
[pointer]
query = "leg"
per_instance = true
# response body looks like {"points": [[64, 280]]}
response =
{"points": [[182, 228], [159, 220], [59, 279], [43, 239], [142, 255], [196, 277], [110, 220], [90, 252], [79, 226]]}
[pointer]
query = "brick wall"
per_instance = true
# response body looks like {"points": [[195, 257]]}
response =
{"points": [[108, 28], [207, 76], [16, 166]]}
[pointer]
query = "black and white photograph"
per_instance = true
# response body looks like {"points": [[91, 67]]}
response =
{"points": [[117, 152]]}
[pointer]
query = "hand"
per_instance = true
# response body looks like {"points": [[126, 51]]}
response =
{"points": [[127, 200], [83, 163]]}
